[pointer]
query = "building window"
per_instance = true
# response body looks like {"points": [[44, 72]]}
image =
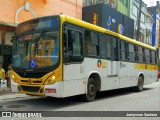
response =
{"points": [[87, 2], [135, 10], [100, 1], [143, 17], [126, 3]]}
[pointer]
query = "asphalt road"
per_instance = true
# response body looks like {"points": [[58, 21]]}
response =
{"points": [[114, 100]]}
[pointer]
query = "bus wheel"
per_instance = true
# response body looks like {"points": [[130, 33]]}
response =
{"points": [[140, 83], [91, 90]]}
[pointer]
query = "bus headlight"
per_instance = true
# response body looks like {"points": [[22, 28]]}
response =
{"points": [[51, 80]]}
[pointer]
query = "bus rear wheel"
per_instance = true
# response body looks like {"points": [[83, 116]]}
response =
{"points": [[91, 90], [140, 83]]}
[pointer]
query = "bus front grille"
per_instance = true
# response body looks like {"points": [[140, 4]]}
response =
{"points": [[30, 88], [32, 81]]}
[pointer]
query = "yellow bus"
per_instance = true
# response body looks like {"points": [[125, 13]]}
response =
{"points": [[61, 56]]}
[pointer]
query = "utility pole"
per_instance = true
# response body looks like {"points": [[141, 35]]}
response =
{"points": [[139, 20]]}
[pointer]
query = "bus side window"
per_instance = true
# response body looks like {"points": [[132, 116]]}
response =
{"points": [[140, 54], [73, 46], [70, 42], [91, 43], [103, 46], [153, 57], [114, 48], [65, 41], [122, 50], [147, 55], [76, 43], [131, 52], [109, 47]]}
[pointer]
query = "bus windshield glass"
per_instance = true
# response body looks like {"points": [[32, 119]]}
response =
{"points": [[36, 50], [36, 44]]}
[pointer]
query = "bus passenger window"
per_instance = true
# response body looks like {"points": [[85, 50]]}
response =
{"points": [[153, 57], [147, 55], [70, 42], [91, 43], [74, 43], [140, 54], [122, 50], [131, 52], [103, 46], [108, 49]]}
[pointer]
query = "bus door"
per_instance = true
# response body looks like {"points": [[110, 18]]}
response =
{"points": [[112, 63], [73, 68]]}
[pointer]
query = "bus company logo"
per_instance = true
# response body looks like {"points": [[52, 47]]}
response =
{"points": [[99, 63]]}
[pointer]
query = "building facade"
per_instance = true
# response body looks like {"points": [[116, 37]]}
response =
{"points": [[122, 6], [108, 18], [149, 25], [134, 13], [16, 11]]}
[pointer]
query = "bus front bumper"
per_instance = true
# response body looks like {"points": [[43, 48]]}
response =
{"points": [[53, 90]]}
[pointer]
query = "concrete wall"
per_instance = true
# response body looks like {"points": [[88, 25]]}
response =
{"points": [[13, 10]]}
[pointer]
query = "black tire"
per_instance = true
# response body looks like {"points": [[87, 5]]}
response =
{"points": [[91, 90], [140, 83]]}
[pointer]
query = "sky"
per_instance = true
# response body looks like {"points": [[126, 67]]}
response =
{"points": [[150, 2]]}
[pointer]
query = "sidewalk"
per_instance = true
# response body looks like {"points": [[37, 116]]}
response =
{"points": [[10, 95]]}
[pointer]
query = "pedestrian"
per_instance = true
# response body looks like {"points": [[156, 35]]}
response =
{"points": [[3, 81], [3, 86], [8, 75]]}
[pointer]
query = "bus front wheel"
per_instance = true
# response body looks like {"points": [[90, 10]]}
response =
{"points": [[140, 83], [91, 90]]}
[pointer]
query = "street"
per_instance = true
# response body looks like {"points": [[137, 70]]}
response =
{"points": [[114, 100]]}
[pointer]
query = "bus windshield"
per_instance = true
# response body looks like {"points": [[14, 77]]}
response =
{"points": [[36, 50]]}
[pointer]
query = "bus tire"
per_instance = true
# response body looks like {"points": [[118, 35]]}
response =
{"points": [[91, 90], [140, 83]]}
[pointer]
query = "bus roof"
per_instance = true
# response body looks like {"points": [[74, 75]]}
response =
{"points": [[102, 30]]}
